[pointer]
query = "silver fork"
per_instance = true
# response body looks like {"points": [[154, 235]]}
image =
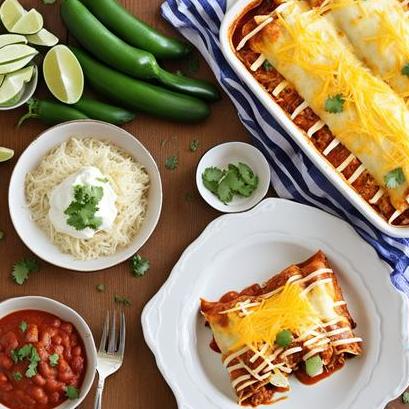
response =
{"points": [[110, 353]]}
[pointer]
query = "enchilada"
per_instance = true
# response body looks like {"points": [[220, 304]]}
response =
{"points": [[352, 117], [298, 322]]}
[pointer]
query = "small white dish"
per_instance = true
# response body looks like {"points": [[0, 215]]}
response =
{"points": [[233, 152], [65, 313], [28, 92], [34, 238], [238, 250]]}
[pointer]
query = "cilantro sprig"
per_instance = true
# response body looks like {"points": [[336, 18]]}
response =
{"points": [[225, 183], [54, 358], [22, 269], [335, 104], [30, 353], [81, 211], [172, 162], [139, 265], [119, 299], [23, 326], [405, 70], [72, 393], [394, 178]]}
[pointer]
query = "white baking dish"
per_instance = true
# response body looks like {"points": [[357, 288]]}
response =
{"points": [[299, 136]]}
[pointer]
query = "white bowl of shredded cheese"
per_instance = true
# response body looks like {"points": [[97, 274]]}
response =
{"points": [[44, 185]]}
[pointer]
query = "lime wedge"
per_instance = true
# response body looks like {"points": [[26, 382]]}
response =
{"points": [[15, 65], [5, 154], [63, 74], [10, 12], [13, 85], [30, 23], [14, 52], [43, 38], [7, 39]]}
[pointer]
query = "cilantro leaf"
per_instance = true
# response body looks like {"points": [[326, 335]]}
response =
{"points": [[122, 300], [29, 352], [267, 65], [14, 356], [100, 287], [335, 104], [54, 358], [405, 70], [31, 370], [405, 398], [394, 178], [23, 326], [212, 174], [17, 376], [212, 186], [247, 174], [233, 179], [224, 191], [139, 265], [194, 145], [172, 162], [72, 393], [82, 209], [22, 269]]}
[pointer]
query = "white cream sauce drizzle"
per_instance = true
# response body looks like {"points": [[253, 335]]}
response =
{"points": [[358, 172], [280, 88], [315, 128], [258, 63], [332, 145], [345, 163], [377, 195], [395, 215], [299, 109]]}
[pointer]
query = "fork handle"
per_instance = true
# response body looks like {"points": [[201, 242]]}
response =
{"points": [[98, 396]]}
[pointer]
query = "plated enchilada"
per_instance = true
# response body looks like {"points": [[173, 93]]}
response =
{"points": [[298, 322], [352, 117]]}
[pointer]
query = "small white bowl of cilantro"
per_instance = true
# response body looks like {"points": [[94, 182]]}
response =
{"points": [[233, 177]]}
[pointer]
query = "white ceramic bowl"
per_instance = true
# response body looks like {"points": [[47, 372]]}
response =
{"points": [[34, 238], [27, 93], [234, 152], [67, 314]]}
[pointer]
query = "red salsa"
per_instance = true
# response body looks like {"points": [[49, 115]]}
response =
{"points": [[42, 360]]}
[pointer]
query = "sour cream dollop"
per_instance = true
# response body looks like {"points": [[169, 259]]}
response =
{"points": [[63, 194]]}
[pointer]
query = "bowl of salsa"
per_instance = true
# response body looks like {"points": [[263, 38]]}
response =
{"points": [[47, 355]]}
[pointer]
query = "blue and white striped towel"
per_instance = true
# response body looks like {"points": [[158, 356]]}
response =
{"points": [[294, 176]]}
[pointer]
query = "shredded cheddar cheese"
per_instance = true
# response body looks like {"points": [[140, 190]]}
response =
{"points": [[289, 309]]}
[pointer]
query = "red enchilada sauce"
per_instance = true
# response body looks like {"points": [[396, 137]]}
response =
{"points": [[42, 360]]}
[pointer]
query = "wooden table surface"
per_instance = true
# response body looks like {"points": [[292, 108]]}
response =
{"points": [[138, 385]]}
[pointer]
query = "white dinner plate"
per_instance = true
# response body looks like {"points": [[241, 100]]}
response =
{"points": [[238, 250]]}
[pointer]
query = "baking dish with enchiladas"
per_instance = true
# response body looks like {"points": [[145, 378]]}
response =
{"points": [[335, 75]]}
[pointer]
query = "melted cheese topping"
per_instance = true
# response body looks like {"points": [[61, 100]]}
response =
{"points": [[289, 309], [379, 32], [307, 50]]}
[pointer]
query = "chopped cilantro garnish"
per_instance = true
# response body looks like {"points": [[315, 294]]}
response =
{"points": [[23, 326], [194, 145], [83, 208], [29, 352], [17, 376], [122, 300], [139, 265], [394, 178], [172, 162], [405, 70], [22, 269], [239, 180], [54, 358], [335, 104], [267, 65], [72, 393], [405, 398], [284, 338], [100, 287]]}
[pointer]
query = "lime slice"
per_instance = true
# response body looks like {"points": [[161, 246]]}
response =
{"points": [[7, 39], [14, 84], [63, 74], [10, 12], [14, 52], [30, 23], [5, 154], [15, 65], [43, 38]]}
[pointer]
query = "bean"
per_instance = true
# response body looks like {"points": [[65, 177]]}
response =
{"points": [[76, 351], [67, 327], [54, 397], [24, 399], [43, 353], [54, 386], [5, 361], [56, 323], [45, 338], [56, 340], [77, 364], [46, 371], [32, 333], [66, 341], [3, 377], [68, 354], [39, 380], [59, 349], [74, 340], [6, 387], [38, 394], [9, 341]]}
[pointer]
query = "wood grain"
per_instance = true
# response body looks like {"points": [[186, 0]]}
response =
{"points": [[138, 385]]}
